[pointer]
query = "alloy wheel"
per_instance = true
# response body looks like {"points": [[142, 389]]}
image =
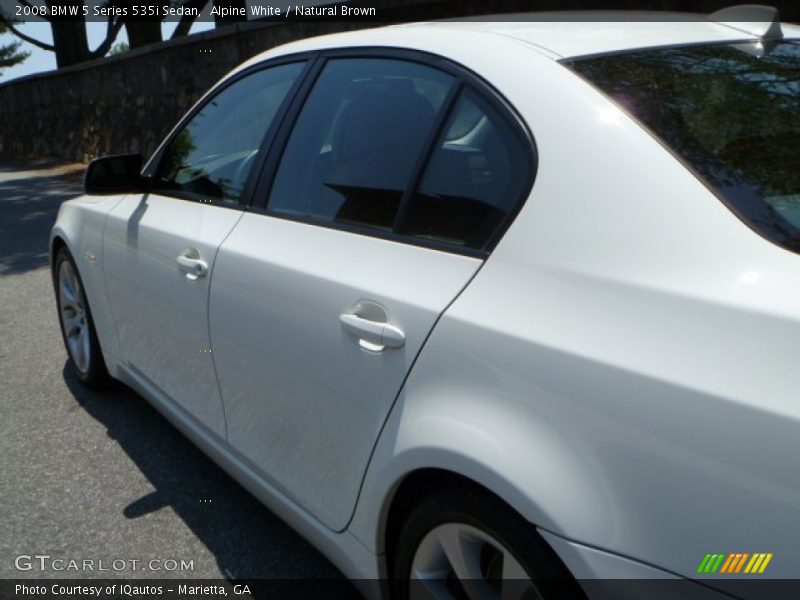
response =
{"points": [[456, 560], [74, 318]]}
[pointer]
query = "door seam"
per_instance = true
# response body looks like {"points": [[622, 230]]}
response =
{"points": [[208, 322], [400, 391]]}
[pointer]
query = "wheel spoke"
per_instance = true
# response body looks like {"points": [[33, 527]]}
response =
{"points": [[429, 588], [73, 280], [516, 582], [72, 324], [85, 350], [68, 292], [454, 559], [79, 356], [512, 569], [73, 345], [73, 317], [464, 555]]}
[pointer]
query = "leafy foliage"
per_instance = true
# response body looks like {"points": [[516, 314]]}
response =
{"points": [[119, 48], [10, 54]]}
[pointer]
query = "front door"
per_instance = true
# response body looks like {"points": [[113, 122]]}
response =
{"points": [[160, 247]]}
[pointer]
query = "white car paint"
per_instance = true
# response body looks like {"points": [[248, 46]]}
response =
{"points": [[287, 366], [621, 370], [150, 299]]}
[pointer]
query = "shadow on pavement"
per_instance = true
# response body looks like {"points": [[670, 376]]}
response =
{"points": [[28, 208], [248, 541], [9, 164]]}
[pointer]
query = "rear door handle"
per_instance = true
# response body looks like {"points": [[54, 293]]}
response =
{"points": [[375, 333], [190, 263]]}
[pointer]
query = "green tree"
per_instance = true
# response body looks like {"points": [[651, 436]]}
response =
{"points": [[10, 54], [119, 48]]}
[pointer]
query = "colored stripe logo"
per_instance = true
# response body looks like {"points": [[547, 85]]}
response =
{"points": [[735, 562]]}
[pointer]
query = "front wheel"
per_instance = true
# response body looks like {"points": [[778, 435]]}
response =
{"points": [[465, 543], [77, 327]]}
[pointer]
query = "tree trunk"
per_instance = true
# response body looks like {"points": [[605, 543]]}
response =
{"points": [[69, 32], [69, 39], [141, 33]]}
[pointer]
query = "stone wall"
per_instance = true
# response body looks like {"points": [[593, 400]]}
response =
{"points": [[129, 102]]}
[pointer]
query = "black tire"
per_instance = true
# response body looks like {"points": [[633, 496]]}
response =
{"points": [[465, 504], [95, 376]]}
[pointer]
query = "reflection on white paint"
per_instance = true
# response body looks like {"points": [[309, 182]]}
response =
{"points": [[750, 277], [610, 115]]}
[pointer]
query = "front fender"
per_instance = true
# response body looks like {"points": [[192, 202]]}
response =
{"points": [[79, 226]]}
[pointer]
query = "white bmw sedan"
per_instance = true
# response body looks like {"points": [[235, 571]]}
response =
{"points": [[476, 304]]}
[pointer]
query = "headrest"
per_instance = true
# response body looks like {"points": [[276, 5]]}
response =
{"points": [[392, 107]]}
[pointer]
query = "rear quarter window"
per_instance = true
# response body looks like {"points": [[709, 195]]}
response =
{"points": [[729, 111]]}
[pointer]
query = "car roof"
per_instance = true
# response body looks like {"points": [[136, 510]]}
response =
{"points": [[558, 35], [579, 33]]}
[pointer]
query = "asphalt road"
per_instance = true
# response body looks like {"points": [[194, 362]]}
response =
{"points": [[104, 476]]}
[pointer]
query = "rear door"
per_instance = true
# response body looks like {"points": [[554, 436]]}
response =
{"points": [[160, 247], [320, 303]]}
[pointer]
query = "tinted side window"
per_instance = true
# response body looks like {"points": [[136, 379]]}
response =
{"points": [[211, 157], [356, 141], [474, 178], [731, 111]]}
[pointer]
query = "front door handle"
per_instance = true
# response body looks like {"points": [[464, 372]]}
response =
{"points": [[378, 335], [190, 263]]}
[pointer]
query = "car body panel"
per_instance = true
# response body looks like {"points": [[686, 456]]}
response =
{"points": [[606, 576], [161, 315], [79, 226], [598, 32], [304, 401]]}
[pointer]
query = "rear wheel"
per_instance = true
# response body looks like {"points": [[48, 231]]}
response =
{"points": [[465, 543], [77, 327]]}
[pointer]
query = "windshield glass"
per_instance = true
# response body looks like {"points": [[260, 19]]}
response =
{"points": [[731, 111]]}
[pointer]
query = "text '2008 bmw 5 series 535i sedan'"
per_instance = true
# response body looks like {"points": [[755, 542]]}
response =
{"points": [[480, 308]]}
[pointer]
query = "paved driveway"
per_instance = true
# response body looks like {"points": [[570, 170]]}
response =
{"points": [[105, 477]]}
